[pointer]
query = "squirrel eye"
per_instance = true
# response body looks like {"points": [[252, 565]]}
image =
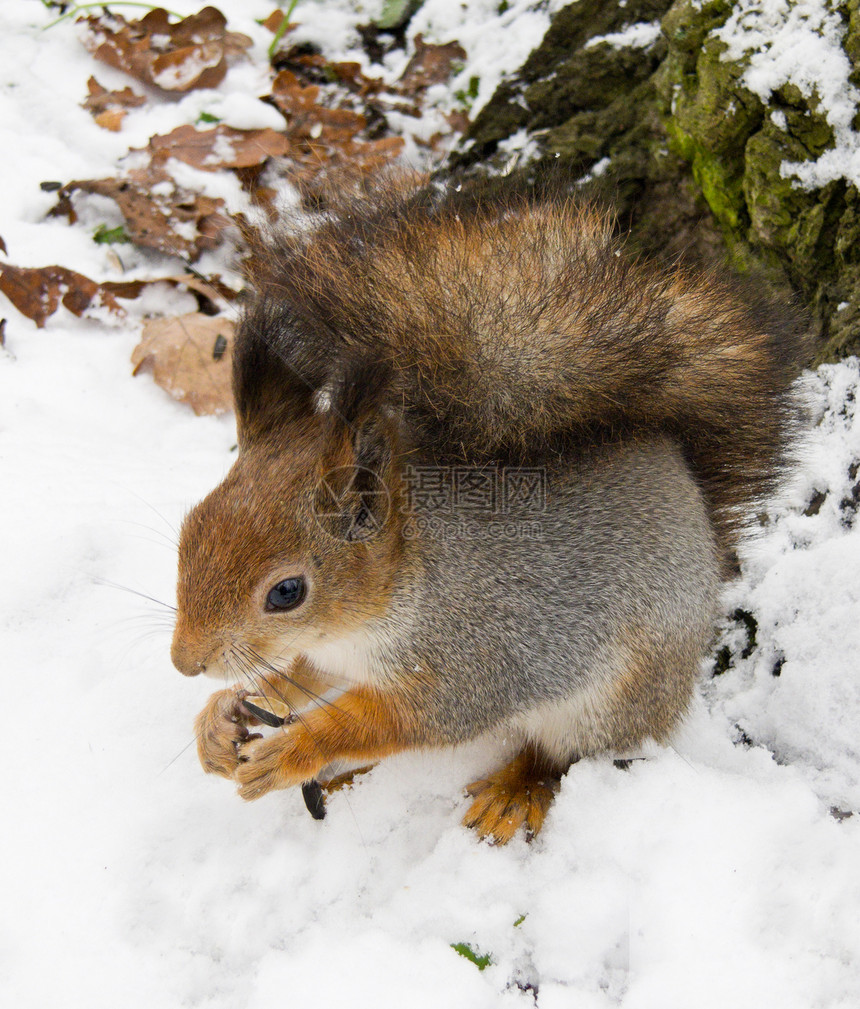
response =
{"points": [[286, 595]]}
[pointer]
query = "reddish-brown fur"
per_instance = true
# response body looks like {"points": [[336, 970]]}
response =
{"points": [[516, 796], [364, 726], [513, 332], [511, 328]]}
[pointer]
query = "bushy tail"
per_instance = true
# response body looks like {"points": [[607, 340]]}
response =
{"points": [[513, 329]]}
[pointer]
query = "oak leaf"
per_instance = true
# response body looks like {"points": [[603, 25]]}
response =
{"points": [[430, 64], [189, 357], [309, 120], [109, 107], [352, 75], [38, 291], [325, 139], [220, 147], [111, 119], [100, 99], [274, 21], [159, 214], [211, 292], [173, 58]]}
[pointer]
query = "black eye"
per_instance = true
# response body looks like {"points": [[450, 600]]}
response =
{"points": [[286, 595]]}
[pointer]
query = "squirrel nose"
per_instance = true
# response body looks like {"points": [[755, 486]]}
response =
{"points": [[184, 657]]}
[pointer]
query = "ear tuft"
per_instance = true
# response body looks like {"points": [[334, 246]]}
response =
{"points": [[363, 437], [360, 389], [279, 365]]}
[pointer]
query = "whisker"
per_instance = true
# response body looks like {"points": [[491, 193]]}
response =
{"points": [[253, 662], [178, 755], [258, 660], [173, 529], [163, 542], [134, 592], [155, 618], [300, 718]]}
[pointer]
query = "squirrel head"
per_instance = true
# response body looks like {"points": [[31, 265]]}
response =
{"points": [[300, 543]]}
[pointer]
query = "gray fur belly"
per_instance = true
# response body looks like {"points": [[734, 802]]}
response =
{"points": [[534, 631]]}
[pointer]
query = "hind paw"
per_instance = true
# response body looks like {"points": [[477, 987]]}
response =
{"points": [[516, 796]]}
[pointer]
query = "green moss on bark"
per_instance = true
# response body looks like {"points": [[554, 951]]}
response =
{"points": [[586, 102], [739, 150], [567, 84], [697, 162]]}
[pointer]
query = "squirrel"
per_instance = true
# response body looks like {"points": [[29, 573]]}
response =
{"points": [[401, 373]]}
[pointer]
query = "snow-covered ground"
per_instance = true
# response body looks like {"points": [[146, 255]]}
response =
{"points": [[721, 872]]}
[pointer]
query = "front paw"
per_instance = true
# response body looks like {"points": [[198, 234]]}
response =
{"points": [[268, 764], [220, 727]]}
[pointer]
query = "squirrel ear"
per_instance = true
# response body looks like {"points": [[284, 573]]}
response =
{"points": [[357, 402], [372, 445], [372, 481], [360, 388], [357, 491], [278, 367], [363, 434], [358, 407]]}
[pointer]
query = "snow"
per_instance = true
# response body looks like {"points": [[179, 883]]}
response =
{"points": [[809, 632], [640, 35], [798, 42], [709, 874], [497, 44]]}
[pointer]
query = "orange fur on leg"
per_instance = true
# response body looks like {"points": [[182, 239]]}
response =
{"points": [[518, 795], [297, 687], [362, 726]]}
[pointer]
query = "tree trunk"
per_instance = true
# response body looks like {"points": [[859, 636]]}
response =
{"points": [[666, 130]]}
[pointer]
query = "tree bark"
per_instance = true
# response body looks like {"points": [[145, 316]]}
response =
{"points": [[690, 158]]}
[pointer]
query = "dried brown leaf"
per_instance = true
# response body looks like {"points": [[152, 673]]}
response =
{"points": [[311, 123], [38, 291], [458, 121], [130, 289], [101, 100], [220, 147], [375, 154], [337, 117], [351, 74], [265, 196], [3, 246], [212, 287], [274, 21], [430, 64], [174, 58], [111, 119], [159, 214], [189, 359], [291, 96]]}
